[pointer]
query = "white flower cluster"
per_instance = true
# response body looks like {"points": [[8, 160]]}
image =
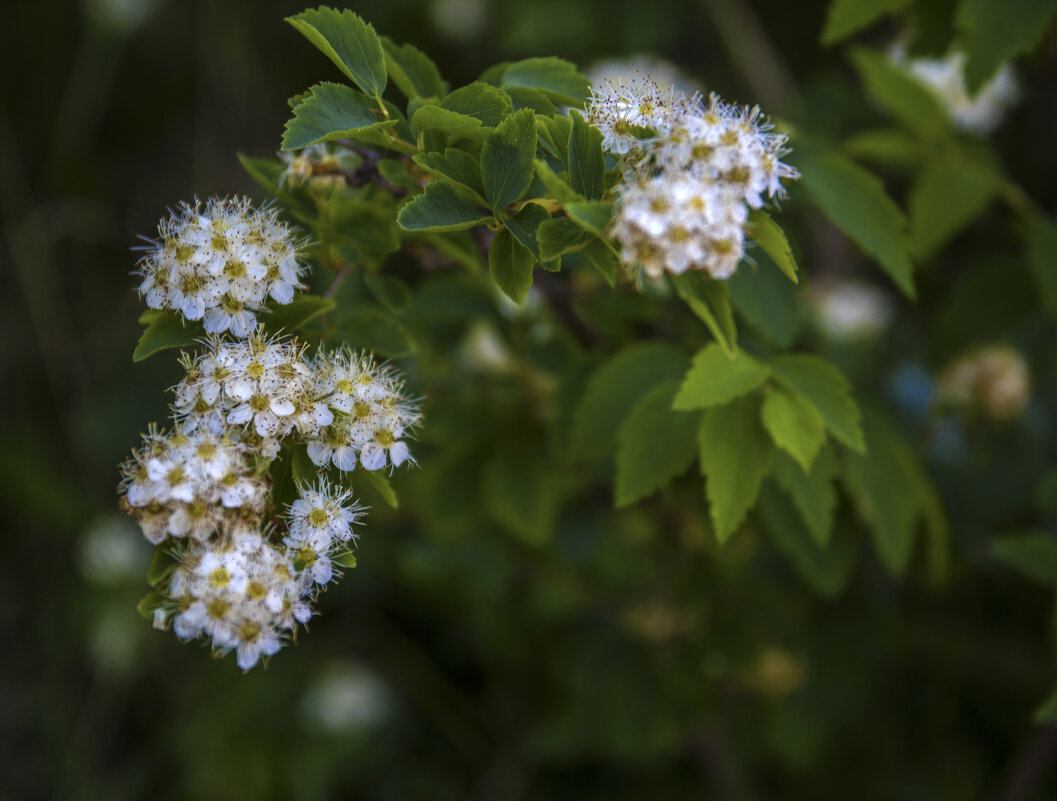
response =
{"points": [[945, 78], [691, 173], [190, 485], [220, 262], [245, 576]]}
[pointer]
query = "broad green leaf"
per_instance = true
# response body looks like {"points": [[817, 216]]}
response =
{"points": [[557, 78], [765, 299], [555, 186], [856, 202], [148, 603], [166, 329], [1042, 259], [412, 70], [268, 175], [494, 74], [614, 388], [900, 94], [377, 481], [710, 301], [886, 146], [388, 290], [795, 426], [530, 98], [522, 494], [481, 101], [715, 379], [510, 264], [348, 218], [1046, 713], [374, 330], [736, 455], [771, 239], [460, 247], [524, 225], [435, 118], [946, 197], [1033, 555], [396, 172], [654, 445], [587, 164], [559, 236], [600, 254], [332, 111], [824, 387], [508, 159], [993, 33], [592, 215], [846, 17], [825, 568], [297, 312], [456, 167], [886, 485], [813, 493], [346, 559], [302, 469], [349, 42], [440, 207], [162, 565], [555, 132]]}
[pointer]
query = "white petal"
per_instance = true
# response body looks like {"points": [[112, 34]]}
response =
{"points": [[372, 456], [318, 452], [345, 458], [398, 453]]}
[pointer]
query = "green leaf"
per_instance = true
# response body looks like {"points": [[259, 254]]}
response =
{"points": [[886, 146], [554, 131], [480, 101], [714, 378], [148, 603], [654, 445], [530, 98], [524, 225], [555, 186], [460, 247], [824, 387], [826, 569], [377, 481], [856, 202], [710, 301], [440, 207], [521, 494], [458, 168], [947, 196], [993, 33], [412, 70], [302, 469], [388, 290], [374, 330], [587, 164], [166, 329], [510, 264], [555, 77], [614, 388], [736, 455], [600, 254], [766, 300], [346, 559], [1033, 555], [297, 312], [771, 239], [452, 123], [1042, 259], [559, 236], [592, 215], [332, 111], [162, 565], [889, 489], [349, 42], [903, 96], [348, 218], [508, 159], [813, 493], [846, 17], [794, 425], [1046, 713]]}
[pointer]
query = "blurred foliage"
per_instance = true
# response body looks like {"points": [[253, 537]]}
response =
{"points": [[485, 649]]}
